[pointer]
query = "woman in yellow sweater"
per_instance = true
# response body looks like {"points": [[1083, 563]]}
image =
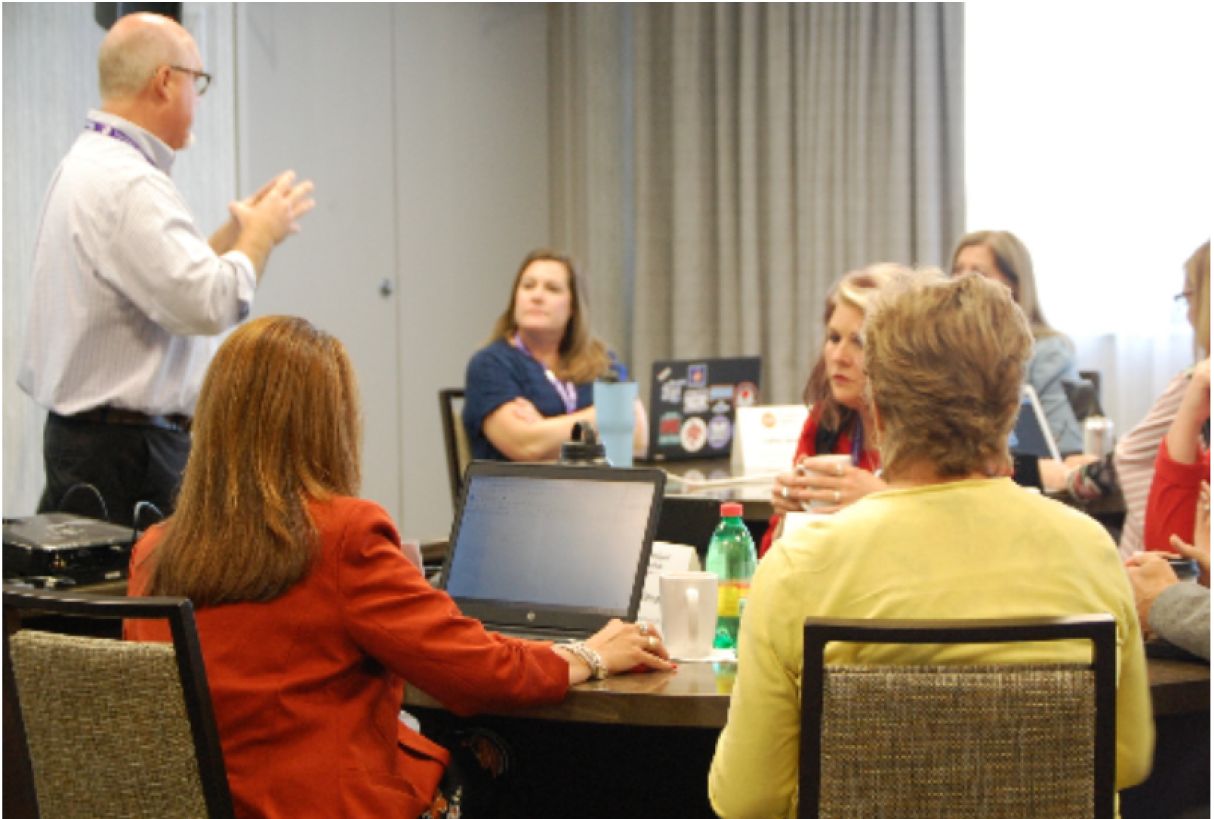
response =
{"points": [[951, 538]]}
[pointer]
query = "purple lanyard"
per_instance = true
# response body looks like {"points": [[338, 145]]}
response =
{"points": [[857, 442], [567, 390], [114, 133]]}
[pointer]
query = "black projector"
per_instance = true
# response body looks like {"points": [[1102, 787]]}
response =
{"points": [[64, 545]]}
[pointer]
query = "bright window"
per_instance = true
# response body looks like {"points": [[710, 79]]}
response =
{"points": [[1088, 134]]}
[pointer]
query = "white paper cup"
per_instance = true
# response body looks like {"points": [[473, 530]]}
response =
{"points": [[689, 613]]}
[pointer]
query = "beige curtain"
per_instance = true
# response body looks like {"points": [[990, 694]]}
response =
{"points": [[772, 148]]}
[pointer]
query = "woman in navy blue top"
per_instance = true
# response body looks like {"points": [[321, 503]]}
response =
{"points": [[534, 380], [526, 389]]}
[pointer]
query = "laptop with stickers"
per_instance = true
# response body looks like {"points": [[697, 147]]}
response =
{"points": [[551, 552], [692, 405]]}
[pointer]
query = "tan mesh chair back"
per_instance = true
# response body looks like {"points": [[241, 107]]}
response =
{"points": [[928, 742], [459, 452], [112, 728]]}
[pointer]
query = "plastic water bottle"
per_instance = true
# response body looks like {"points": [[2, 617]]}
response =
{"points": [[731, 557]]}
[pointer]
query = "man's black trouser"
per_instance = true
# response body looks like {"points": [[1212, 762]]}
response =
{"points": [[126, 464]]}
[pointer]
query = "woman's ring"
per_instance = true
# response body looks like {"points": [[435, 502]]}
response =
{"points": [[644, 629], [785, 493], [838, 496], [653, 641], [838, 472]]}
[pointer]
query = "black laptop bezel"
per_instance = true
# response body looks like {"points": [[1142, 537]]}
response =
{"points": [[506, 616]]}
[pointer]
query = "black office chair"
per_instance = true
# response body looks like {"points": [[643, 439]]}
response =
{"points": [[102, 727], [1083, 397], [945, 741], [1092, 376], [459, 453]]}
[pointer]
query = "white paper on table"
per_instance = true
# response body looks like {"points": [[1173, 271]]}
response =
{"points": [[718, 655]]}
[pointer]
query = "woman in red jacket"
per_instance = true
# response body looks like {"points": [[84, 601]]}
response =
{"points": [[310, 617], [840, 422]]}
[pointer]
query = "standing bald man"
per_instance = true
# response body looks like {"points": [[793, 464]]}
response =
{"points": [[129, 298]]}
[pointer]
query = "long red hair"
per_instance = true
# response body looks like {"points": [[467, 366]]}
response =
{"points": [[278, 426]]}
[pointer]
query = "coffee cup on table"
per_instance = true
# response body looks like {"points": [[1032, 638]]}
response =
{"points": [[830, 465], [689, 613]]}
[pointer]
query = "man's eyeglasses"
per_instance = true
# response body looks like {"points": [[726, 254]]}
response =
{"points": [[1185, 296], [202, 80]]}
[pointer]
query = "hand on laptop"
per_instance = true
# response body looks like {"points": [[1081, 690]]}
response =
{"points": [[624, 646], [621, 647]]}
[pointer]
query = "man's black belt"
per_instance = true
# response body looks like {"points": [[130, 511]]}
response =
{"points": [[113, 415]]}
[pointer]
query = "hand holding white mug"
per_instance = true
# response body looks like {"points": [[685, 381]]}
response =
{"points": [[823, 484]]}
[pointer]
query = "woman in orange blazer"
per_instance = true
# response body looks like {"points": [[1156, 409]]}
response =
{"points": [[310, 617]]}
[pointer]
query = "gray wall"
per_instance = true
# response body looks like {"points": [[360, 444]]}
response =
{"points": [[429, 150], [425, 127]]}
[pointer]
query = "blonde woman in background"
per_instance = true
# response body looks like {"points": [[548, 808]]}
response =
{"points": [[534, 379], [1131, 466], [840, 420], [1000, 256]]}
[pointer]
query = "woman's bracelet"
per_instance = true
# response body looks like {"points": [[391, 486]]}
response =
{"points": [[592, 659]]}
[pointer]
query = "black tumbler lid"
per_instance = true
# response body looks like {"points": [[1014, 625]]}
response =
{"points": [[585, 446]]}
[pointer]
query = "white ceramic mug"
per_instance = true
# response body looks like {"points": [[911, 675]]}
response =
{"points": [[826, 464], [689, 613]]}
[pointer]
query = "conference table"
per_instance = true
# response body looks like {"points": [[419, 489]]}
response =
{"points": [[641, 744]]}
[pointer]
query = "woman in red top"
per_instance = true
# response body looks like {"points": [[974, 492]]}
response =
{"points": [[1181, 466], [311, 619], [840, 422]]}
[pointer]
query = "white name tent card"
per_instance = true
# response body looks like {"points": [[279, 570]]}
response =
{"points": [[665, 557], [765, 439]]}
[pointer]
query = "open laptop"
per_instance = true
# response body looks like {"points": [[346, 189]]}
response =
{"points": [[692, 403], [1031, 435], [551, 552]]}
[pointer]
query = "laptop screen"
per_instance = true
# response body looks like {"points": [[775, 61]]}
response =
{"points": [[1031, 435], [552, 546]]}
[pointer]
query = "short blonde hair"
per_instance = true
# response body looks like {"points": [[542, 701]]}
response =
{"points": [[945, 361], [1197, 285]]}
